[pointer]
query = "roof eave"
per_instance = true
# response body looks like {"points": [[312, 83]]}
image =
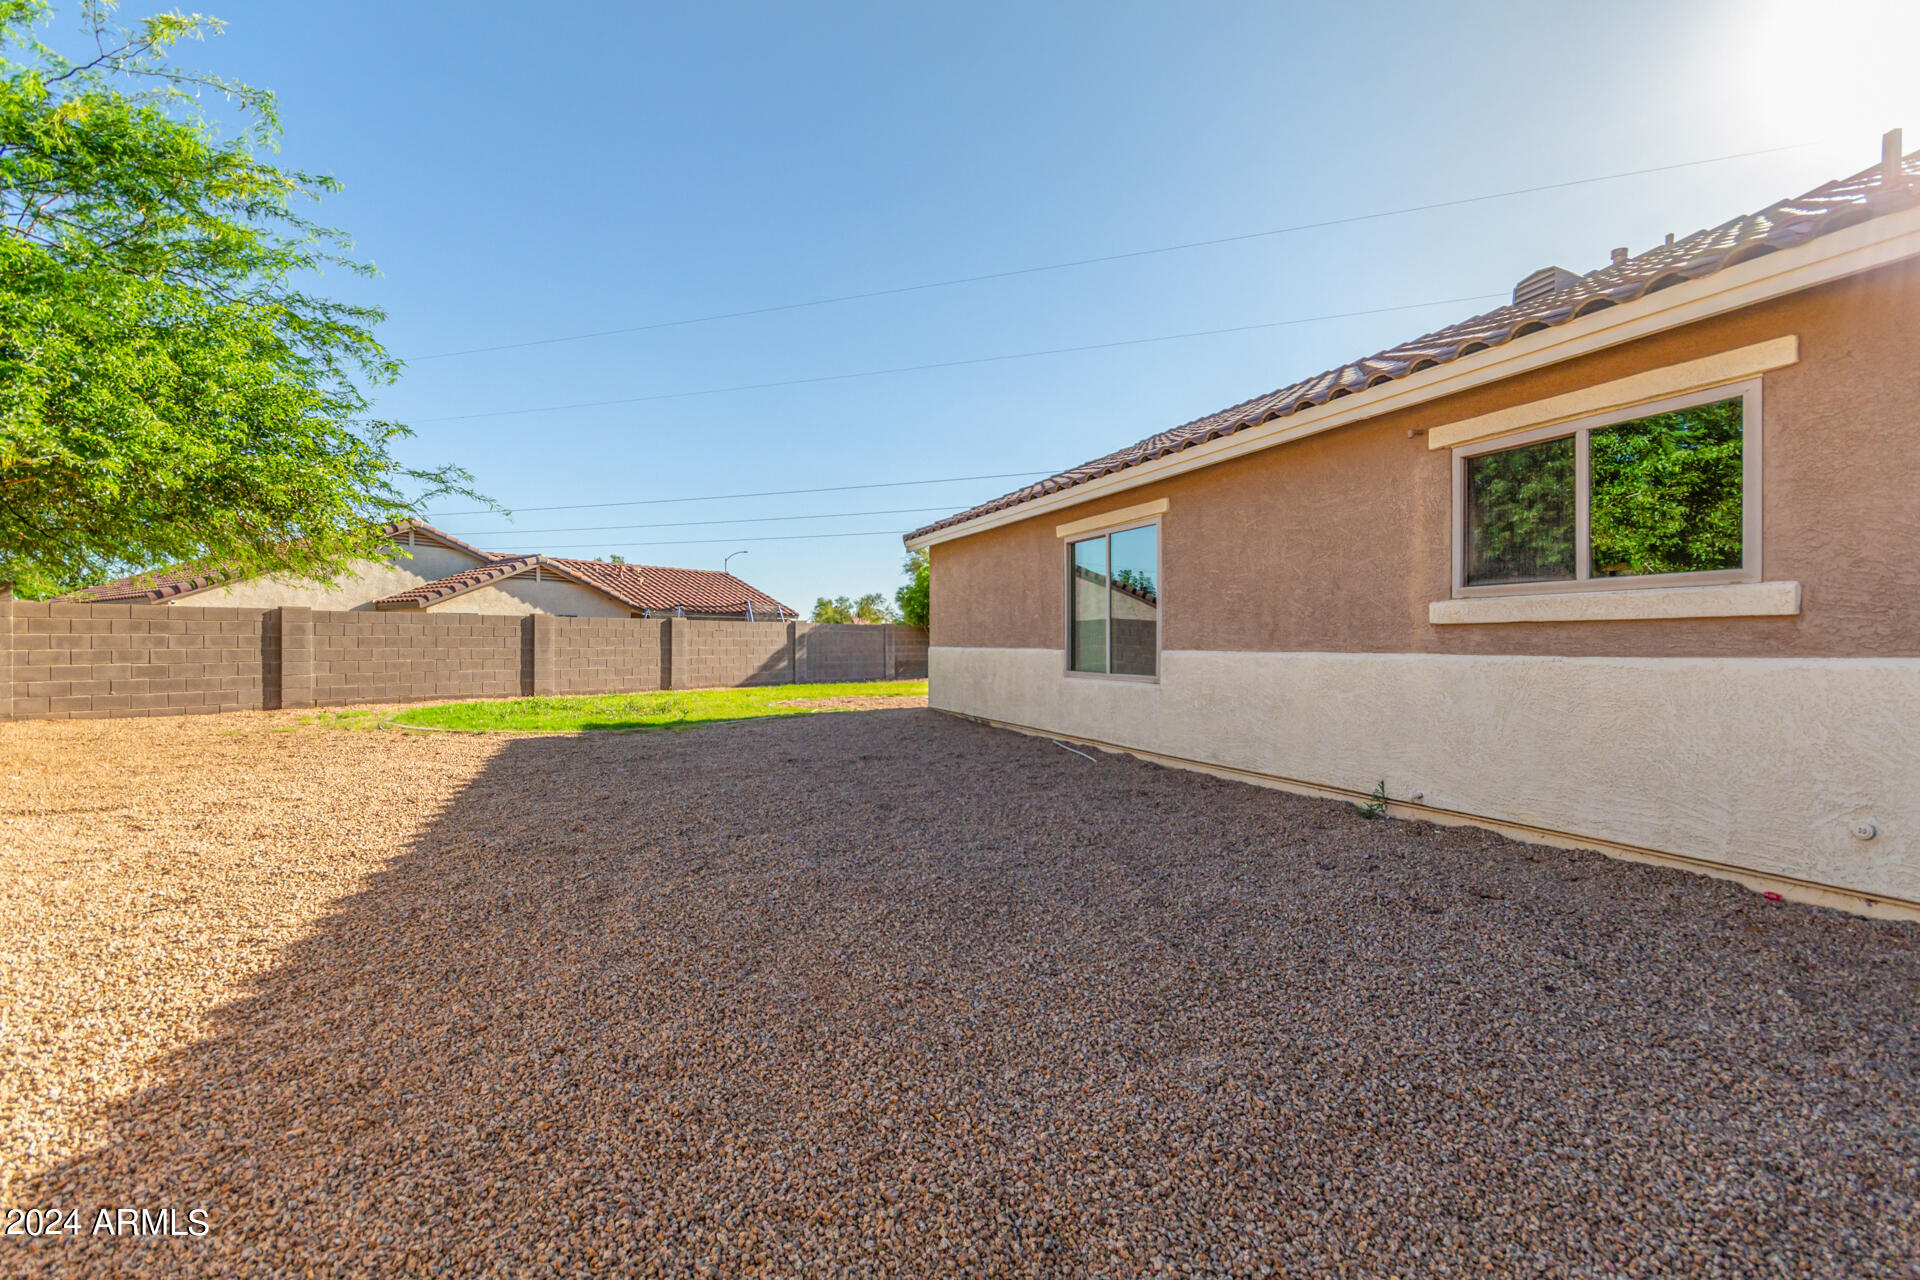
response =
{"points": [[511, 569], [1849, 251]]}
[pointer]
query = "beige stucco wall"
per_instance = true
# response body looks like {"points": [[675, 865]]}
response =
{"points": [[1758, 764], [370, 580], [523, 595], [1339, 542], [1297, 645]]}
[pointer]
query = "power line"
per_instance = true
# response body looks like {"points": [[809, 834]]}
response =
{"points": [[1109, 257], [956, 364], [767, 493], [695, 542], [682, 524]]}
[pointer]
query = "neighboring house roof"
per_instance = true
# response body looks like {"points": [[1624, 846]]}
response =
{"points": [[655, 586], [147, 588], [638, 586], [181, 580], [1543, 300], [428, 593]]}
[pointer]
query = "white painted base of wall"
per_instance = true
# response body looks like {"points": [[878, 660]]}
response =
{"points": [[1757, 769]]}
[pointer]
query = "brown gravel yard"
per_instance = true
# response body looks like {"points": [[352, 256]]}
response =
{"points": [[898, 994]]}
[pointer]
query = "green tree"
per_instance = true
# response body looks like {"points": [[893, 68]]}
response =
{"points": [[915, 599], [872, 607], [171, 392], [1137, 581], [1520, 513], [1667, 492]]}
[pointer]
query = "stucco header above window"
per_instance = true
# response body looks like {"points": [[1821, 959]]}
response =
{"points": [[1623, 393], [1111, 519]]}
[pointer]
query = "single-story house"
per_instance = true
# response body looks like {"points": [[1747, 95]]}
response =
{"points": [[432, 570], [1632, 563]]}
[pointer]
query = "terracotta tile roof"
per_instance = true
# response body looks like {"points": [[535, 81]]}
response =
{"points": [[147, 588], [1825, 209], [638, 586], [655, 586], [167, 584], [457, 583]]}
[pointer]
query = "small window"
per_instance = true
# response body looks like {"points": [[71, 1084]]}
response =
{"points": [[1113, 603], [1659, 498]]}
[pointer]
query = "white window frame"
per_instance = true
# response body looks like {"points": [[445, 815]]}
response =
{"points": [[1578, 429], [1160, 602]]}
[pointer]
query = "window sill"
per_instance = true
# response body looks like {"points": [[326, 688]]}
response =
{"points": [[1736, 600]]}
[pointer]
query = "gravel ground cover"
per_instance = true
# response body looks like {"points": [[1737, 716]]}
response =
{"points": [[898, 994]]}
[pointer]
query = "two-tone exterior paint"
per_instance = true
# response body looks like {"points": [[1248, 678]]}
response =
{"points": [[1313, 636]]}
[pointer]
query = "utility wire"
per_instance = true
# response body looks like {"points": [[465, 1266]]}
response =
{"points": [[1110, 257], [956, 364], [765, 493], [695, 542], [681, 524]]}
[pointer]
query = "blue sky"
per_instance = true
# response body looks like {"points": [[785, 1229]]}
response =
{"points": [[526, 172]]}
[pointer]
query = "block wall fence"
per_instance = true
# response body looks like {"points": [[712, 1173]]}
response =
{"points": [[98, 661]]}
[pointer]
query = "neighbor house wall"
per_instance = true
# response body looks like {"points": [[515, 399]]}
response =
{"points": [[522, 595], [366, 581], [1297, 645]]}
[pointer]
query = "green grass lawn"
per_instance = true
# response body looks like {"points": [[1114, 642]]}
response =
{"points": [[627, 711]]}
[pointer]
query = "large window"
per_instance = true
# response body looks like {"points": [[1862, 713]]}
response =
{"points": [[1666, 494], [1113, 603]]}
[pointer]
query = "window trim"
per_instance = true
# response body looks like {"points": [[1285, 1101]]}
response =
{"points": [[1160, 603], [1751, 434]]}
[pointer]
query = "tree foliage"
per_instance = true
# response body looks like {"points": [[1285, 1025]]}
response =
{"points": [[1520, 505], [871, 607], [915, 599], [1667, 492], [1139, 582], [171, 391]]}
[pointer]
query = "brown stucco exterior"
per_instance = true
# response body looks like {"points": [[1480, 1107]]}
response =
{"points": [[1338, 542]]}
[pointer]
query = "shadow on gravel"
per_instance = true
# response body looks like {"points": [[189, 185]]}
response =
{"points": [[895, 993]]}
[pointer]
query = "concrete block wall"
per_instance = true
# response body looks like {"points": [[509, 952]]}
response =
{"points": [[66, 661], [606, 655], [909, 653], [91, 661], [416, 657], [831, 653], [716, 654]]}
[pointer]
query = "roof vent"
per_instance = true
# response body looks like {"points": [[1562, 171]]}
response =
{"points": [[1545, 281]]}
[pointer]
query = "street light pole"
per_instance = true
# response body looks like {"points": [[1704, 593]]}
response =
{"points": [[729, 560]]}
